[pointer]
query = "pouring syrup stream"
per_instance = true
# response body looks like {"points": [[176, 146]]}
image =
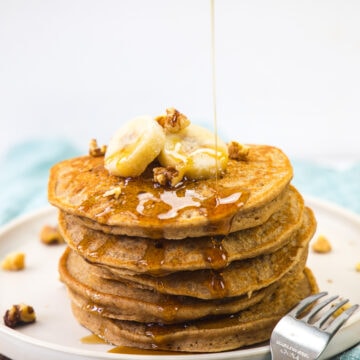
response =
{"points": [[213, 70]]}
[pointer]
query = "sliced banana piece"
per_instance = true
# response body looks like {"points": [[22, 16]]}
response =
{"points": [[134, 146], [194, 152]]}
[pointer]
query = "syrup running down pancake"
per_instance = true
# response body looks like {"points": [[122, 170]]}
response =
{"points": [[238, 278], [160, 257]]}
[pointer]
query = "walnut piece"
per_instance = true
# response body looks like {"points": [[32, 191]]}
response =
{"points": [[237, 151], [174, 121], [14, 261], [165, 176], [321, 245], [19, 315], [50, 235], [95, 150], [341, 309]]}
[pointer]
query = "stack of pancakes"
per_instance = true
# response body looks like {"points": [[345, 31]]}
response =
{"points": [[208, 265]]}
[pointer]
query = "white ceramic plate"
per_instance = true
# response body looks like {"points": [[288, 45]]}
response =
{"points": [[56, 334]]}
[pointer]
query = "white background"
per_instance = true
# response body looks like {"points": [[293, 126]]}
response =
{"points": [[288, 72]]}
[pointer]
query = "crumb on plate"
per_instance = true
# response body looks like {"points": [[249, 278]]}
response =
{"points": [[50, 235], [321, 245], [14, 261], [20, 314], [357, 267]]}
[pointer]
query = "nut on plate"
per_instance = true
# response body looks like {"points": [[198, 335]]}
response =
{"points": [[14, 261], [20, 314], [50, 235], [321, 245]]}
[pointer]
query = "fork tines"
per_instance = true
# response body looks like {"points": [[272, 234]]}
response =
{"points": [[336, 323]]}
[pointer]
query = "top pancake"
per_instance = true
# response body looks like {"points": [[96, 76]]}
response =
{"points": [[80, 186]]}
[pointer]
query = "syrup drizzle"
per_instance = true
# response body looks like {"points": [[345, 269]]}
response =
{"points": [[92, 339], [95, 339], [155, 207], [154, 256], [213, 70], [215, 254]]}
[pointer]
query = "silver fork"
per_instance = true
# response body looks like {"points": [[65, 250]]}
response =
{"points": [[296, 337]]}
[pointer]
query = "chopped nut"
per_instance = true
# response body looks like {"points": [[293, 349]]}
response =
{"points": [[168, 175], [115, 192], [173, 121], [14, 261], [321, 245], [19, 315], [340, 310], [50, 235], [357, 267], [237, 151], [95, 150]]}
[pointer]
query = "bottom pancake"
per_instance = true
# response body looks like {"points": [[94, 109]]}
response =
{"points": [[248, 327]]}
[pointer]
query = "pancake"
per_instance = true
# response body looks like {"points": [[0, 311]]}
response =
{"points": [[247, 195], [120, 300], [240, 277], [160, 257], [247, 327]]}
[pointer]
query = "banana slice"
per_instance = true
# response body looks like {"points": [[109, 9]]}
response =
{"points": [[134, 147], [194, 153]]}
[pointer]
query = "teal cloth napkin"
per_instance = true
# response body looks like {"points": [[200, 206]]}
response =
{"points": [[340, 187], [25, 169], [24, 175]]}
